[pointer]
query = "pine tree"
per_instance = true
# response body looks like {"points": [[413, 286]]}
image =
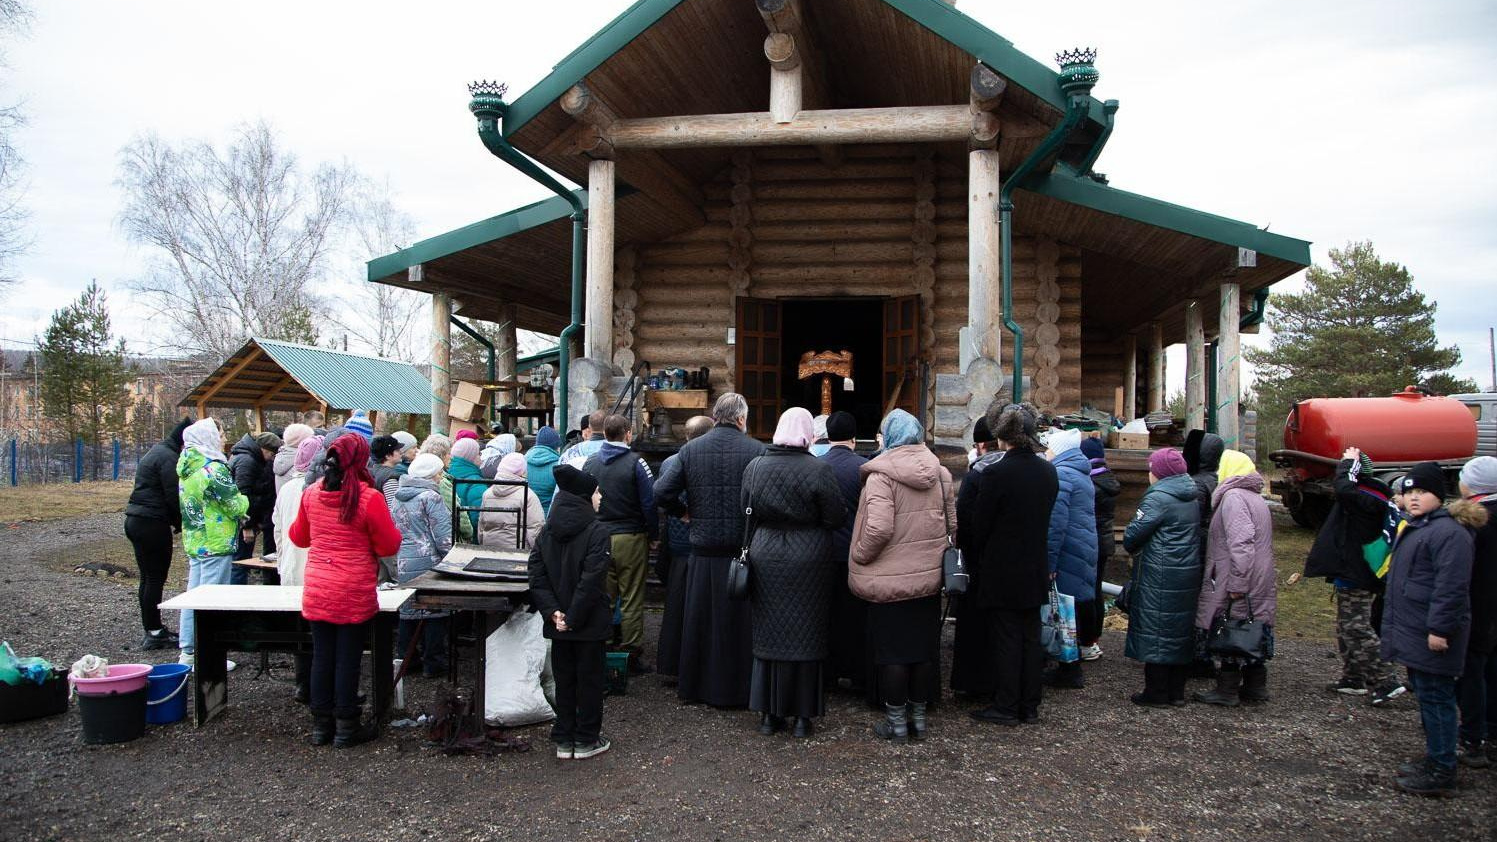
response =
{"points": [[1360, 329], [84, 373]]}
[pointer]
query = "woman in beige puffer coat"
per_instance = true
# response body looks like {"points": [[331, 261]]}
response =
{"points": [[501, 530], [904, 516]]}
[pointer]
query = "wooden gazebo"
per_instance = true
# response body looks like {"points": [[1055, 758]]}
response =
{"points": [[267, 375]]}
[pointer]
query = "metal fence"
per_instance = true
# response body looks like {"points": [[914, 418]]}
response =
{"points": [[27, 462]]}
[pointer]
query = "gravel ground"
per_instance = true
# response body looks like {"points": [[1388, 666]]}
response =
{"points": [[1308, 765]]}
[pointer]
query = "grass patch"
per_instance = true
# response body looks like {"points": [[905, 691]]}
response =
{"points": [[1306, 608], [115, 551], [54, 501]]}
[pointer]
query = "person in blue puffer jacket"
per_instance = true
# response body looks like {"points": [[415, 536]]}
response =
{"points": [[1073, 536]]}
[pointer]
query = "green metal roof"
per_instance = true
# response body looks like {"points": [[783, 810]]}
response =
{"points": [[942, 19], [550, 355], [352, 381], [486, 231]]}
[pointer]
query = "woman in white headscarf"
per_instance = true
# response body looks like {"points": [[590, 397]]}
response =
{"points": [[211, 509]]}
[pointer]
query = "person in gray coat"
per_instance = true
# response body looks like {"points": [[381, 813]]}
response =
{"points": [[1427, 616], [425, 538], [1163, 540]]}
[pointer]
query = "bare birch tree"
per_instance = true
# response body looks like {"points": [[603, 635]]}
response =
{"points": [[241, 237], [386, 321], [15, 18]]}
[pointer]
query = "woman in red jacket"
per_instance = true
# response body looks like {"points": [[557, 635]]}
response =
{"points": [[346, 527]]}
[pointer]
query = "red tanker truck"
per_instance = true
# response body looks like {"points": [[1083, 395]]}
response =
{"points": [[1397, 432]]}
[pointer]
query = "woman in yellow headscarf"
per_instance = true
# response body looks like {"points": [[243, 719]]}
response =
{"points": [[1239, 579]]}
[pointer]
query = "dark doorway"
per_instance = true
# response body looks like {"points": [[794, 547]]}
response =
{"points": [[840, 324]]}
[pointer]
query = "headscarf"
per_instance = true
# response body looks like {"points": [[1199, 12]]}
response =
{"points": [[512, 464], [818, 427], [900, 428], [206, 438], [1480, 475], [350, 455], [296, 434], [1166, 462], [466, 448], [505, 443], [795, 428], [1235, 463], [306, 451], [548, 437]]}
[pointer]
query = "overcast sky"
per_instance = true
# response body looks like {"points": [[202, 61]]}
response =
{"points": [[1328, 121]]}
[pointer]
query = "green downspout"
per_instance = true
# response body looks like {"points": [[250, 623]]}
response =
{"points": [[484, 341], [1109, 112], [1259, 310], [1077, 76], [488, 106]]}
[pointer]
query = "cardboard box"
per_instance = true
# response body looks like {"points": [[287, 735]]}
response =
{"points": [[1128, 441], [471, 393], [456, 425], [464, 410]]}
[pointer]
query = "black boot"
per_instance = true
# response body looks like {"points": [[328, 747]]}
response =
{"points": [[303, 694], [322, 728], [1432, 781], [352, 732], [771, 724], [1255, 683], [896, 725], [1156, 692], [1228, 686], [917, 720], [1065, 677], [803, 727]]}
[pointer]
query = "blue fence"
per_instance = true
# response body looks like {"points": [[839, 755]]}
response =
{"points": [[26, 462]]}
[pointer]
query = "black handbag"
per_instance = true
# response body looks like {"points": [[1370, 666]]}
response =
{"points": [[954, 579], [1231, 638], [738, 568]]}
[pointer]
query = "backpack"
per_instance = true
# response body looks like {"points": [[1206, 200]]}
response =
{"points": [[1378, 553]]}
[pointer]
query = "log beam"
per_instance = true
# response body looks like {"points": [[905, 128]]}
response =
{"points": [[441, 361], [1229, 367], [986, 94], [1156, 367], [984, 242], [785, 76], [1130, 377], [1195, 365], [598, 340], [932, 124]]}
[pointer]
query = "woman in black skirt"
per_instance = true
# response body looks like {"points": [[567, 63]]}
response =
{"points": [[905, 512], [795, 505]]}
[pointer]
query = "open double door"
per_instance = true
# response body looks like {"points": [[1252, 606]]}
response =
{"points": [[761, 365]]}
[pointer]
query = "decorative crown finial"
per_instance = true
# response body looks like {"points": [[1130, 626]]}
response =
{"points": [[1067, 58], [486, 88], [1077, 73]]}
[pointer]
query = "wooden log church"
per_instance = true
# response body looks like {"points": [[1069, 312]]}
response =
{"points": [[886, 180]]}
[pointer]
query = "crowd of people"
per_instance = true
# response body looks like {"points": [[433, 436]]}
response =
{"points": [[843, 559]]}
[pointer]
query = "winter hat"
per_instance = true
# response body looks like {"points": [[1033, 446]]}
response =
{"points": [[1091, 448], [407, 441], [465, 434], [548, 437], [306, 452], [981, 433], [383, 446], [425, 466], [1480, 475], [296, 434], [512, 464], [1425, 476], [1063, 440], [1235, 463], [268, 441], [573, 481], [1166, 462], [359, 423], [841, 426], [465, 448]]}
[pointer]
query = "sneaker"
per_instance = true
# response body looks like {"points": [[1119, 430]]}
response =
{"points": [[230, 666], [1387, 693], [565, 751], [158, 639], [1473, 755], [187, 658], [583, 752], [1091, 653], [1347, 687]]}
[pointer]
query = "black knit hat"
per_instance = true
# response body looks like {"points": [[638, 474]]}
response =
{"points": [[980, 432], [841, 426], [573, 481], [1425, 476]]}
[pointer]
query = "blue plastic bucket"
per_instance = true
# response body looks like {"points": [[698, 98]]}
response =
{"points": [[166, 693]]}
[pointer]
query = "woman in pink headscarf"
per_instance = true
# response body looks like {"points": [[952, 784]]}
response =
{"points": [[795, 505]]}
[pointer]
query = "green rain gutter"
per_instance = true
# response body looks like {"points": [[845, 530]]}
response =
{"points": [[484, 341], [489, 107], [1077, 76]]}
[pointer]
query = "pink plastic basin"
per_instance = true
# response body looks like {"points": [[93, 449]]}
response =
{"points": [[122, 678]]}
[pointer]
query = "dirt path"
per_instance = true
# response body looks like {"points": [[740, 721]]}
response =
{"points": [[1306, 766]]}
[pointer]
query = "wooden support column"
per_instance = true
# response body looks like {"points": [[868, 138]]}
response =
{"points": [[784, 18], [785, 74], [598, 339], [441, 361], [1195, 366], [505, 345], [1156, 367], [1130, 377], [984, 239], [1229, 367]]}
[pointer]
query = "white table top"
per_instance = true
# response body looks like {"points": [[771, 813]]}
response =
{"points": [[461, 554], [262, 598]]}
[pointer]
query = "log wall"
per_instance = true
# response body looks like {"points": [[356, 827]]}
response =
{"points": [[890, 220]]}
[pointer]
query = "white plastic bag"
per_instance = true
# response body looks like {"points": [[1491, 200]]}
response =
{"points": [[1137, 425], [516, 657]]}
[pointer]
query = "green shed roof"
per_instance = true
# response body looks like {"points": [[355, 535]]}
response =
{"points": [[271, 374]]}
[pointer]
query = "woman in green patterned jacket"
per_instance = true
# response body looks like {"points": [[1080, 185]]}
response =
{"points": [[211, 510]]}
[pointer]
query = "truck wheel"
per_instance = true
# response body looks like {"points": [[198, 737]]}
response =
{"points": [[1310, 511]]}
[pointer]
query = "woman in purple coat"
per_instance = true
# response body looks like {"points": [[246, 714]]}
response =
{"points": [[1239, 575]]}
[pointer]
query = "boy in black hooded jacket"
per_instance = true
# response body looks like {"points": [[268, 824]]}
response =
{"points": [[568, 585]]}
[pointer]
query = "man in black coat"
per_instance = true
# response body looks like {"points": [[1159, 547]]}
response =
{"points": [[1477, 686], [716, 644], [849, 659], [251, 462], [971, 656], [1359, 516], [151, 516], [568, 571], [1011, 535]]}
